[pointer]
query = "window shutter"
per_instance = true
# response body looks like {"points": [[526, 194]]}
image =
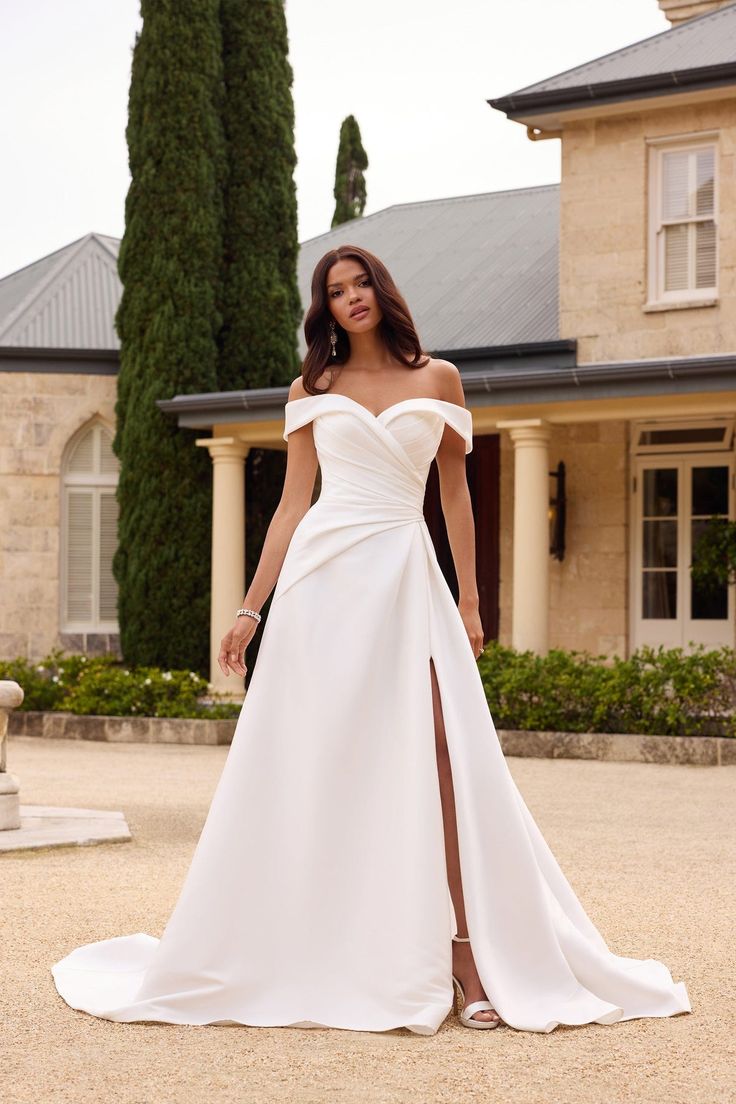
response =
{"points": [[705, 254], [687, 220], [705, 181], [82, 459], [108, 543], [90, 537], [676, 257], [108, 459], [675, 199], [80, 513]]}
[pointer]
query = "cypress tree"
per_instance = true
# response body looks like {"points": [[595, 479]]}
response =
{"points": [[168, 320], [260, 298], [352, 161]]}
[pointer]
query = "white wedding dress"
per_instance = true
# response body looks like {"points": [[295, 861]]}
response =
{"points": [[317, 894]]}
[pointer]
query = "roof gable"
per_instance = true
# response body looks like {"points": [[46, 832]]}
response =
{"points": [[477, 270], [67, 300]]}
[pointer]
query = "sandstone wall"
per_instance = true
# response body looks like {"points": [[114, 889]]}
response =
{"points": [[39, 412], [603, 239]]}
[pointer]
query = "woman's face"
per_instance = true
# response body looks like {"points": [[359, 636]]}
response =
{"points": [[351, 296]]}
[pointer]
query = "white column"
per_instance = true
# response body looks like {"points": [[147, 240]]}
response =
{"points": [[530, 606], [228, 550]]}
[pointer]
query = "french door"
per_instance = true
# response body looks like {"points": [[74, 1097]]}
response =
{"points": [[673, 499]]}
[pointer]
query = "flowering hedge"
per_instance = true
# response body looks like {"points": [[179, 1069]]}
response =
{"points": [[655, 691], [105, 686]]}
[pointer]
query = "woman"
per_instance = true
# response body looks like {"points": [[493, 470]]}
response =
{"points": [[366, 846]]}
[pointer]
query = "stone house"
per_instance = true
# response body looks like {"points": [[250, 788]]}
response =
{"points": [[594, 324], [58, 511]]}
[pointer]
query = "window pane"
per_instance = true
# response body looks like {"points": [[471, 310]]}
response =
{"points": [[660, 492], [693, 435], [709, 491], [675, 257], [705, 254], [659, 544], [659, 595], [675, 198], [708, 605], [705, 172], [705, 604]]}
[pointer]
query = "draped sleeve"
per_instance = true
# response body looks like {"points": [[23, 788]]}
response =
{"points": [[297, 413], [461, 420]]}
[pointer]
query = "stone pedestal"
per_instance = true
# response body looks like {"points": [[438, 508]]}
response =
{"points": [[11, 695], [28, 827]]}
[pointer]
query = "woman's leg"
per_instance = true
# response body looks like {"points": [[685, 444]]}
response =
{"points": [[463, 964]]}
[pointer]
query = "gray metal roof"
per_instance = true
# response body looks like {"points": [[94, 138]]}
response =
{"points": [[476, 270], [66, 300], [704, 43]]}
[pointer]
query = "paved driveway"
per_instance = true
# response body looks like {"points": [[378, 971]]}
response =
{"points": [[649, 849]]}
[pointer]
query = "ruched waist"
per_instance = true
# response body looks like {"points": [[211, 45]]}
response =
{"points": [[333, 525], [357, 508]]}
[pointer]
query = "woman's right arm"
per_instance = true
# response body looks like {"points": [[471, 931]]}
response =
{"points": [[296, 496]]}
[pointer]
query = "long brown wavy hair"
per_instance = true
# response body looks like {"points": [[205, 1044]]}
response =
{"points": [[396, 326]]}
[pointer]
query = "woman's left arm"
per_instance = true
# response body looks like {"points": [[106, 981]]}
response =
{"points": [[458, 511]]}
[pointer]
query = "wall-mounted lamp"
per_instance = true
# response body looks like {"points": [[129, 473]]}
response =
{"points": [[556, 514]]}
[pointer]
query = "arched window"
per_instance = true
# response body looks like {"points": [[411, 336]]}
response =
{"points": [[89, 521]]}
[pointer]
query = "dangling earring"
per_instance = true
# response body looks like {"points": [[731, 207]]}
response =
{"points": [[333, 336]]}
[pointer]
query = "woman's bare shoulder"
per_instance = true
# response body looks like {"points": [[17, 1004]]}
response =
{"points": [[296, 389], [446, 380]]}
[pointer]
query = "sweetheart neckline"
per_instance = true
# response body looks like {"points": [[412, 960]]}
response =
{"points": [[377, 417]]}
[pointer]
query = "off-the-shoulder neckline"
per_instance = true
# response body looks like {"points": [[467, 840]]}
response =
{"points": [[386, 410]]}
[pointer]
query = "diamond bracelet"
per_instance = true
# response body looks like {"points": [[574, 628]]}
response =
{"points": [[249, 613]]}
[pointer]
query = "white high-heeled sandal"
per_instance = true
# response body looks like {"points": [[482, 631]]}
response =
{"points": [[466, 1012]]}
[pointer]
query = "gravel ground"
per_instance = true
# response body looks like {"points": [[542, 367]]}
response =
{"points": [[649, 849]]}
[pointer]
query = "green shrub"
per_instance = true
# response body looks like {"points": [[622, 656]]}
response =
{"points": [[654, 691], [46, 684], [104, 685]]}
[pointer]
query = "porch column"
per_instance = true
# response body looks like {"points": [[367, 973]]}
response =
{"points": [[530, 605], [228, 550]]}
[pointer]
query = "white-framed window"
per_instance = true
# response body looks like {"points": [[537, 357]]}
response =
{"points": [[683, 473], [683, 221], [89, 519]]}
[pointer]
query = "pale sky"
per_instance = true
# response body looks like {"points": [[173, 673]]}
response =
{"points": [[415, 73]]}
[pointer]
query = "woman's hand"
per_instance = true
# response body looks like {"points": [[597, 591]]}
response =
{"points": [[473, 626], [234, 643]]}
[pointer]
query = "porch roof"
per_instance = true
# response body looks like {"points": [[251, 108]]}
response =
{"points": [[543, 374]]}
